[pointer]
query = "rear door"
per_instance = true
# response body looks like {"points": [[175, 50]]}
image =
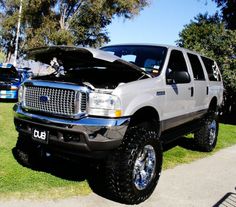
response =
{"points": [[201, 89]]}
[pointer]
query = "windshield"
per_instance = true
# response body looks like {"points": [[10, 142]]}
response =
{"points": [[7, 74], [149, 58]]}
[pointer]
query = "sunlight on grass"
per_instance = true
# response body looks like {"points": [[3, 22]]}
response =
{"points": [[177, 155], [19, 182]]}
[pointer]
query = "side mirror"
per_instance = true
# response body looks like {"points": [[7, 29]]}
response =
{"points": [[176, 77]]}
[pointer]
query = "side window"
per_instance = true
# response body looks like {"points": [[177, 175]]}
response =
{"points": [[212, 70], [177, 62], [198, 73], [177, 70]]}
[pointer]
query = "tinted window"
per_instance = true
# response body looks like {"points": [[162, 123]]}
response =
{"points": [[211, 68], [7, 74], [177, 61], [198, 73], [148, 58], [177, 70]]}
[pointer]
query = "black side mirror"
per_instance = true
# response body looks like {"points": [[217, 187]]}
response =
{"points": [[176, 77]]}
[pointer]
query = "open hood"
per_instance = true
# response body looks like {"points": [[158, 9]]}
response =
{"points": [[73, 57]]}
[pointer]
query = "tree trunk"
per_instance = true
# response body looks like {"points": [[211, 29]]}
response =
{"points": [[62, 18]]}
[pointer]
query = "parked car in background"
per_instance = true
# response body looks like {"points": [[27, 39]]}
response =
{"points": [[25, 73], [11, 79]]}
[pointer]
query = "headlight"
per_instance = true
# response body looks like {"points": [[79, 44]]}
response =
{"points": [[104, 105], [21, 94], [14, 88]]}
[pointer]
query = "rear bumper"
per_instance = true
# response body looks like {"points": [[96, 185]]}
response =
{"points": [[83, 137]]}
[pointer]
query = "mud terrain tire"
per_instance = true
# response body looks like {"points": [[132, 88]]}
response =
{"points": [[206, 136], [133, 170], [24, 153]]}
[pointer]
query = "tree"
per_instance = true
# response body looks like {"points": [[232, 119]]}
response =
{"points": [[2, 56], [228, 9], [8, 22], [208, 35], [67, 22]]}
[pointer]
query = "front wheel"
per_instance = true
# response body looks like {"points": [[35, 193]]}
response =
{"points": [[25, 152], [133, 170], [206, 136]]}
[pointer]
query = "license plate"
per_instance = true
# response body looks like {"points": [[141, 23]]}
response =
{"points": [[40, 135]]}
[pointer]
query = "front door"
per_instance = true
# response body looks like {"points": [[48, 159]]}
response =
{"points": [[179, 98]]}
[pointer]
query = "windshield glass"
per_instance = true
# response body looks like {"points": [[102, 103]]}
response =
{"points": [[7, 74], [149, 58]]}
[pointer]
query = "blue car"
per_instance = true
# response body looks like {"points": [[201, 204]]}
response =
{"points": [[25, 73], [10, 81]]}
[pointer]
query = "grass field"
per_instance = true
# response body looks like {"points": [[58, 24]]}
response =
{"points": [[20, 182]]}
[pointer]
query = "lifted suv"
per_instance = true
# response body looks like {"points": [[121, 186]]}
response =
{"points": [[119, 105]]}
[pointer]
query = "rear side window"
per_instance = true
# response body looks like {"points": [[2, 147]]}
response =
{"points": [[212, 70], [198, 73]]}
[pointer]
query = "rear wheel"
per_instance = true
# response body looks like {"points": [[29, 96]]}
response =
{"points": [[133, 170], [206, 136]]}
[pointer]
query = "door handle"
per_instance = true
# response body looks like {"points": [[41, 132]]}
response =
{"points": [[192, 90]]}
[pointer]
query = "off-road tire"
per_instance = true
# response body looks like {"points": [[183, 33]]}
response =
{"points": [[25, 152], [119, 170], [205, 138]]}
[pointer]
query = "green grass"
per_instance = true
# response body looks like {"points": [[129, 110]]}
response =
{"points": [[20, 182], [178, 155]]}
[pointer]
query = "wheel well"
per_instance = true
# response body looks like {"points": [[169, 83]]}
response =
{"points": [[213, 104], [146, 117]]}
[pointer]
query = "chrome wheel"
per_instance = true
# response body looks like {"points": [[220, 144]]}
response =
{"points": [[212, 132], [144, 167]]}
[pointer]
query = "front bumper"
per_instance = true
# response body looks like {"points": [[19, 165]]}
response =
{"points": [[81, 137]]}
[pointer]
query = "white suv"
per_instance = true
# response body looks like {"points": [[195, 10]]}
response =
{"points": [[118, 105]]}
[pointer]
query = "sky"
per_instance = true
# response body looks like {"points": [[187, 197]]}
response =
{"points": [[159, 23]]}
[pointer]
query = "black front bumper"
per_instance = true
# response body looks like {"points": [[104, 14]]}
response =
{"points": [[86, 137]]}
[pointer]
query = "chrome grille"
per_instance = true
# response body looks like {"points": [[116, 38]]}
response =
{"points": [[83, 101], [55, 100]]}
